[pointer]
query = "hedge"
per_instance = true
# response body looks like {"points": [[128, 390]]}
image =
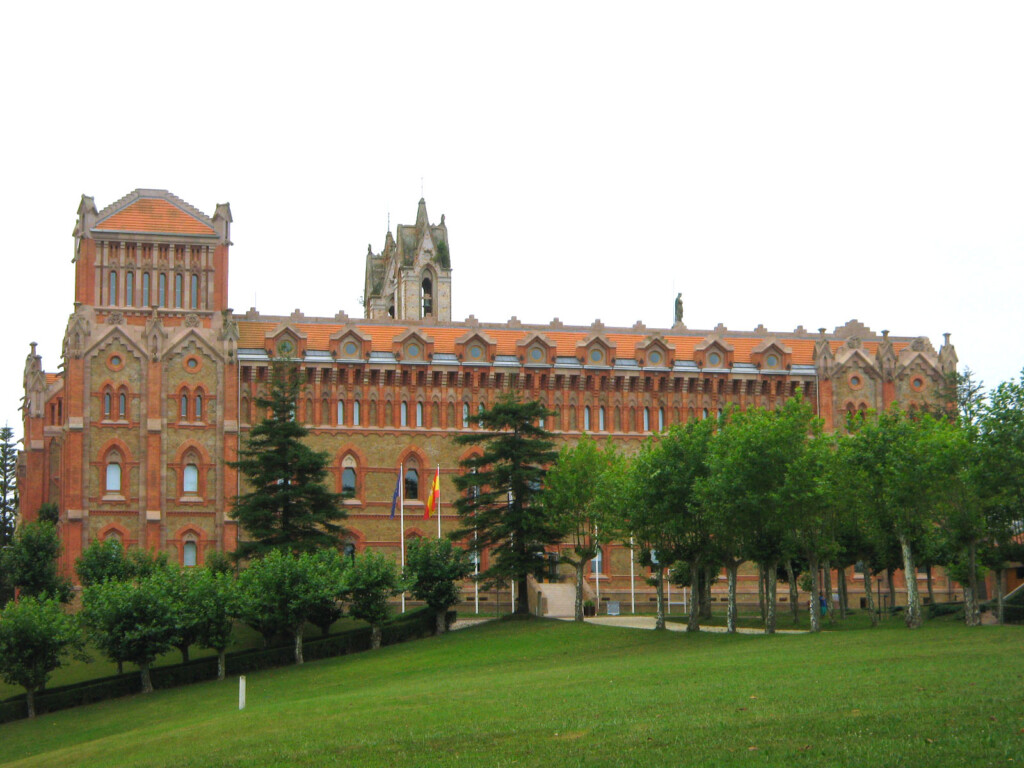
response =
{"points": [[408, 626]]}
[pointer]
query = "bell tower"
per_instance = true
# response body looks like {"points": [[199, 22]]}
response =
{"points": [[411, 278]]}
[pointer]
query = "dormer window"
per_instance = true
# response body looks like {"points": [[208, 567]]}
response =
{"points": [[654, 358], [714, 359]]}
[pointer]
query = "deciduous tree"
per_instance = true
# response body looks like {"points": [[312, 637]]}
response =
{"points": [[434, 568], [369, 583], [30, 562]]}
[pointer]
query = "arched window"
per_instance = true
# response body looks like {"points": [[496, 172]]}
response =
{"points": [[479, 411], [190, 479], [465, 415], [586, 419], [161, 290], [194, 291], [129, 289], [199, 407], [113, 535], [325, 412], [704, 413], [348, 478], [122, 405], [412, 483], [112, 295], [189, 552], [113, 479], [179, 284], [618, 419], [600, 419], [427, 297], [184, 407], [572, 417], [106, 405], [145, 289], [355, 413], [349, 550], [245, 410], [435, 415], [661, 419], [647, 419], [341, 412], [405, 414], [451, 415]]}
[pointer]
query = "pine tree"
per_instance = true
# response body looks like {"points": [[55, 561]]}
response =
{"points": [[501, 508], [8, 486], [286, 507]]}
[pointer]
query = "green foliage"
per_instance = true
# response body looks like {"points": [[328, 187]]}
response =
{"points": [[369, 583], [219, 562], [31, 562], [8, 486], [501, 508], [102, 561], [36, 637], [285, 505], [434, 568], [443, 257], [49, 512]]}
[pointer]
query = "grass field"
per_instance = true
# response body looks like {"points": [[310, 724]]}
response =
{"points": [[553, 693]]}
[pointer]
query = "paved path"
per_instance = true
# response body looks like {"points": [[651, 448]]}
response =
{"points": [[647, 622]]}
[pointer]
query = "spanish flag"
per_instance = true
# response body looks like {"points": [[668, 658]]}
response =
{"points": [[434, 499]]}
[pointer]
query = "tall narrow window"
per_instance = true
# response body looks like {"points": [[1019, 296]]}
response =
{"points": [[427, 296], [405, 414], [122, 405], [661, 419], [106, 405], [479, 411], [189, 554], [355, 413], [419, 414], [129, 289], [194, 291], [145, 289], [586, 419], [114, 474], [647, 419], [162, 290], [190, 479], [199, 407], [600, 419], [348, 478], [341, 413], [178, 287], [412, 483], [112, 294], [597, 563], [184, 407], [465, 415]]}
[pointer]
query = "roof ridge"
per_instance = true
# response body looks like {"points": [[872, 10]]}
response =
{"points": [[160, 194]]}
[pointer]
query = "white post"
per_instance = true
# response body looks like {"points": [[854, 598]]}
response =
{"points": [[632, 580], [668, 588], [241, 692], [438, 510], [401, 517], [476, 573], [597, 578]]}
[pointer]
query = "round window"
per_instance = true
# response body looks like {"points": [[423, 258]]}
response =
{"points": [[855, 381], [595, 355], [917, 383], [714, 359], [475, 352], [350, 348], [413, 350], [115, 360], [772, 361], [192, 363], [285, 347], [654, 358], [536, 354]]}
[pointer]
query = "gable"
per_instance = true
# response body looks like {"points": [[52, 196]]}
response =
{"points": [[154, 215]]}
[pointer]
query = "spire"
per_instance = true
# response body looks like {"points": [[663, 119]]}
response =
{"points": [[421, 214]]}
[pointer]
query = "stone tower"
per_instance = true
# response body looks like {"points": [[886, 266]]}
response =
{"points": [[411, 278]]}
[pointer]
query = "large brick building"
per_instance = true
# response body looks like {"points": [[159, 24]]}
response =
{"points": [[159, 377]]}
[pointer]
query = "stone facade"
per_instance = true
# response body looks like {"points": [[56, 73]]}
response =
{"points": [[160, 377]]}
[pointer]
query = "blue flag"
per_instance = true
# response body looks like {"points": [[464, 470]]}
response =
{"points": [[394, 499]]}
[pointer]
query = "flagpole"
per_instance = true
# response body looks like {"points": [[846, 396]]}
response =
{"points": [[632, 580], [438, 476], [476, 574], [401, 506]]}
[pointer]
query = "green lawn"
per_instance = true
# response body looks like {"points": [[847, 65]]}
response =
{"points": [[553, 693]]}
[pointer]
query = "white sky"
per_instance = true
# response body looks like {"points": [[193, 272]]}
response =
{"points": [[778, 163]]}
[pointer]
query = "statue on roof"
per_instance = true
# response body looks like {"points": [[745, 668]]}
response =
{"points": [[679, 307]]}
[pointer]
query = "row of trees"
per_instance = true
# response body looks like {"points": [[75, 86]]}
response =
{"points": [[136, 607], [894, 492]]}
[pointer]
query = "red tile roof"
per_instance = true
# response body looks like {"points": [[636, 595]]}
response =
{"points": [[155, 215]]}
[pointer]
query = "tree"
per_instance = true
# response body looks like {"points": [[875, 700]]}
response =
{"points": [[501, 508], [281, 591], [434, 568], [31, 562], [583, 495], [8, 486], [286, 505], [36, 637], [668, 515], [369, 583], [215, 602], [102, 561], [131, 621]]}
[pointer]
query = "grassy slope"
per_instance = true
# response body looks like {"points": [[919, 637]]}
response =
{"points": [[552, 693]]}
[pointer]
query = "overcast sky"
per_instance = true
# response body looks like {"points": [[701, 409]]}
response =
{"points": [[778, 163]]}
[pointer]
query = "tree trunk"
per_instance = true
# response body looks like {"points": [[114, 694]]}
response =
{"points": [[147, 684], [707, 576], [375, 636], [579, 591], [659, 586], [812, 563], [297, 635], [869, 595], [441, 624], [931, 588], [769, 598], [913, 616], [972, 614], [827, 578], [889, 573], [184, 653], [730, 611], [760, 592], [843, 597], [794, 598], [120, 667], [221, 662], [1000, 595], [693, 623], [30, 699], [522, 598]]}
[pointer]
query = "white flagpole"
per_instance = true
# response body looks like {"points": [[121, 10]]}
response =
{"points": [[438, 510], [401, 506], [597, 578], [632, 581], [476, 573]]}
